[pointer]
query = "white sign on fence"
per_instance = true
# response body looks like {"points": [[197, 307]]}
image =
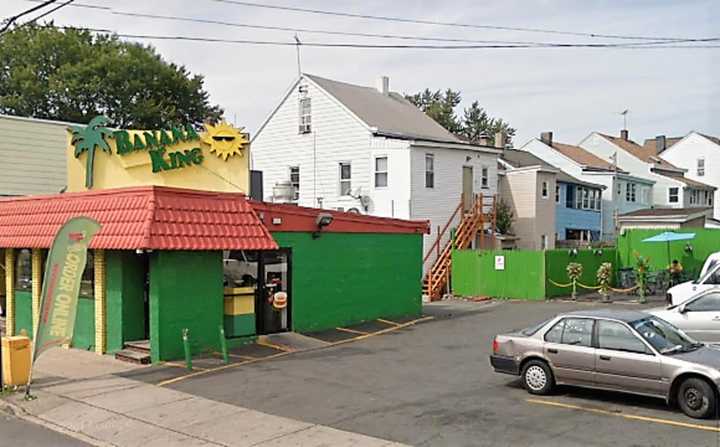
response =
{"points": [[499, 262]]}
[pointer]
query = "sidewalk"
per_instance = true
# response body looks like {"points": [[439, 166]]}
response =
{"points": [[79, 393]]}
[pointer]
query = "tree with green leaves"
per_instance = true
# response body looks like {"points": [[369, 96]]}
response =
{"points": [[475, 122], [75, 75], [86, 139], [504, 217]]}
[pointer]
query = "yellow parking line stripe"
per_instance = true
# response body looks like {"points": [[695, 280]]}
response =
{"points": [[388, 322], [351, 331], [625, 416], [285, 353], [274, 346], [177, 365]]}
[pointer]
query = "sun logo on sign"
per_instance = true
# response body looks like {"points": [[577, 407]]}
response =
{"points": [[225, 140]]}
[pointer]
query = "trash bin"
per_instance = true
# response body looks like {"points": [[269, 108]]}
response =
{"points": [[16, 360]]}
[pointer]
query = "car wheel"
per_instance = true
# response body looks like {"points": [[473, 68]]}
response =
{"points": [[696, 398], [537, 377]]}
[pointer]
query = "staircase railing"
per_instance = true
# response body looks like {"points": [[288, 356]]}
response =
{"points": [[471, 222]]}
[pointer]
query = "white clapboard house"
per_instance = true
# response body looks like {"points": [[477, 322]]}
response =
{"points": [[369, 150]]}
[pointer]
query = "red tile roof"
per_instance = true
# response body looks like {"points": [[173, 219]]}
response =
{"points": [[147, 217], [284, 217]]}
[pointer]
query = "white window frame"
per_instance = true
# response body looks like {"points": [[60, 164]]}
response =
{"points": [[631, 192], [381, 172], [344, 180], [557, 192], [586, 198], [545, 189], [430, 172], [701, 167], [579, 198], [676, 195], [543, 242], [304, 115], [484, 177], [295, 182]]}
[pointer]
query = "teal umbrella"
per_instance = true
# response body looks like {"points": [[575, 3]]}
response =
{"points": [[670, 236]]}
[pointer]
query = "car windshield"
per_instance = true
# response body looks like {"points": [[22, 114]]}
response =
{"points": [[663, 336], [534, 328]]}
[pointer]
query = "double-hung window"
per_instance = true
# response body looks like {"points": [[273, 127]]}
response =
{"points": [[484, 180], [673, 195], [630, 192], [545, 190], [381, 172], [295, 180], [701, 167], [557, 193], [345, 179], [586, 198], [429, 171], [305, 115]]}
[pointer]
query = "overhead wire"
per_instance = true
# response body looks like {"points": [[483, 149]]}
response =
{"points": [[47, 13], [10, 20], [439, 23]]}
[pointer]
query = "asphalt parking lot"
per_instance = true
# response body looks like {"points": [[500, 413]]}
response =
{"points": [[431, 384]]}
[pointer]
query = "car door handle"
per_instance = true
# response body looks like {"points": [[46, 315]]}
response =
{"points": [[605, 357], [716, 318], [552, 351]]}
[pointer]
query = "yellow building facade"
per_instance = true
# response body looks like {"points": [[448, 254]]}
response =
{"points": [[214, 159]]}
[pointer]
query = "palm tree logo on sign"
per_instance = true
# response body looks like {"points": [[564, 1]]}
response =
{"points": [[86, 139]]}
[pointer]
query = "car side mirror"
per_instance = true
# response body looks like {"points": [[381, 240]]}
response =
{"points": [[682, 309]]}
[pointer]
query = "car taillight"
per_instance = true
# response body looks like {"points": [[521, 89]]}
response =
{"points": [[495, 346]]}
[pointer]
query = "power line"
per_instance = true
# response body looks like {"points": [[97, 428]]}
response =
{"points": [[345, 33], [657, 44], [432, 22], [10, 20], [45, 14]]}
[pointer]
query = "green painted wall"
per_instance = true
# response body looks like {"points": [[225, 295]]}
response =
{"points": [[341, 278], [186, 291], [23, 312], [706, 241], [474, 274], [239, 325], [556, 262], [124, 276]]}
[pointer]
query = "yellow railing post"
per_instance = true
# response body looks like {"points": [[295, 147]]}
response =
{"points": [[36, 285], [10, 291], [100, 304]]}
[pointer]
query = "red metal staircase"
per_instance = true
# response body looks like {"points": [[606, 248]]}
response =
{"points": [[471, 218]]}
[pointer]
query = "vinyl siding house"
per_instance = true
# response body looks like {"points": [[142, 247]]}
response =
{"points": [[33, 155], [671, 190], [699, 155], [621, 192], [368, 150], [569, 206]]}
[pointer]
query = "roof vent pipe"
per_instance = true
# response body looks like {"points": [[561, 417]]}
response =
{"points": [[383, 85], [624, 134]]}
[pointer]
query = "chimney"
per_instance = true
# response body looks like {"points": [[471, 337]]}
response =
{"points": [[500, 140], [624, 134], [546, 137], [383, 85], [660, 144], [484, 139]]}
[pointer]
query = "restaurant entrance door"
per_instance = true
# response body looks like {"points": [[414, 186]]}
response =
{"points": [[273, 309]]}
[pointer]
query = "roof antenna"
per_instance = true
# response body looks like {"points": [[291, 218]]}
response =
{"points": [[624, 113], [297, 48]]}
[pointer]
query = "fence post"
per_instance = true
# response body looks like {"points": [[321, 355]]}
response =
{"points": [[186, 347]]}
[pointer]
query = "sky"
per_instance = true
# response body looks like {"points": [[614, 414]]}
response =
{"points": [[570, 91]]}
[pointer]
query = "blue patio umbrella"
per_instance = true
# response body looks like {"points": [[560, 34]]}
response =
{"points": [[670, 236]]}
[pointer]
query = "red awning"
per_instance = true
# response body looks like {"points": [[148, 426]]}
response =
{"points": [[147, 217]]}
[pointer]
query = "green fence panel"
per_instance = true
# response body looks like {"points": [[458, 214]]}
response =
{"points": [[475, 274], [706, 241], [556, 262]]}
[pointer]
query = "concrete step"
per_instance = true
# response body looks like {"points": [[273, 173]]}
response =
{"points": [[127, 355], [142, 346]]}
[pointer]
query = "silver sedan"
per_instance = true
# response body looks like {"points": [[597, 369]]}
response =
{"points": [[619, 350], [698, 316]]}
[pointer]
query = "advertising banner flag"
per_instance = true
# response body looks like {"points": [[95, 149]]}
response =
{"points": [[61, 284]]}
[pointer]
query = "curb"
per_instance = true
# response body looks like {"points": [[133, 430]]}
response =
{"points": [[20, 413]]}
